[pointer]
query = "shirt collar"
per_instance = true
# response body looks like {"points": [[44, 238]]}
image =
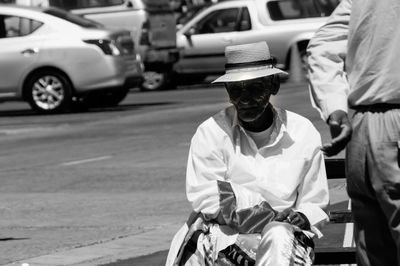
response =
{"points": [[279, 124]]}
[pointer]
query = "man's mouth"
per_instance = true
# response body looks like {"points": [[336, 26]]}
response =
{"points": [[247, 108]]}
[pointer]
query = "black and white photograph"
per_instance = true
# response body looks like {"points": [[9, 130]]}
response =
{"points": [[199, 132]]}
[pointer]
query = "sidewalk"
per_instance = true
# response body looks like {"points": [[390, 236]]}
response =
{"points": [[86, 228], [120, 249]]}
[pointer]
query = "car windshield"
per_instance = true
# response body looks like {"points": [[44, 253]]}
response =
{"points": [[78, 20], [297, 9], [186, 16]]}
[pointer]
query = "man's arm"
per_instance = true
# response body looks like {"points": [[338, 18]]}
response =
{"points": [[220, 200], [313, 193], [327, 77]]}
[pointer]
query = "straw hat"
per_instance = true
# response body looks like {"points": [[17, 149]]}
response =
{"points": [[248, 61]]}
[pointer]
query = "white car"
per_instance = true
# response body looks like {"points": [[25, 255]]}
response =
{"points": [[152, 24], [284, 24], [52, 58]]}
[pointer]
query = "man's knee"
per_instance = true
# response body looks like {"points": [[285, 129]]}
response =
{"points": [[277, 230]]}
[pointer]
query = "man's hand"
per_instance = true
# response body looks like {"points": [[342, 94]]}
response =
{"points": [[340, 128], [295, 218]]}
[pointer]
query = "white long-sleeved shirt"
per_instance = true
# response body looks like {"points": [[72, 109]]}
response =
{"points": [[289, 171], [354, 58]]}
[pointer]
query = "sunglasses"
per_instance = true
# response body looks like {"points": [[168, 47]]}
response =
{"points": [[256, 88]]}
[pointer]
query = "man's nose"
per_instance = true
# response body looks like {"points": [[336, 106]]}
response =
{"points": [[245, 96]]}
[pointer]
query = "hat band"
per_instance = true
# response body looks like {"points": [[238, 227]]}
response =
{"points": [[269, 62]]}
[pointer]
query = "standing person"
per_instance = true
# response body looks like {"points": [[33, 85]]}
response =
{"points": [[255, 175], [354, 63]]}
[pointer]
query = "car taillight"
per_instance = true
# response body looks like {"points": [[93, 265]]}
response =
{"points": [[145, 34], [125, 44], [107, 46]]}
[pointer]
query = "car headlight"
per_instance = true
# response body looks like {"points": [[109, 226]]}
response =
{"points": [[107, 46]]}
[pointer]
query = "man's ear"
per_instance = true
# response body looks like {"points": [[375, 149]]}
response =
{"points": [[276, 83]]}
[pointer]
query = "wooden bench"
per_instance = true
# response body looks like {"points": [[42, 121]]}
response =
{"points": [[336, 255]]}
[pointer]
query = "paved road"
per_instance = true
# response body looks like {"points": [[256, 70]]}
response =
{"points": [[81, 179]]}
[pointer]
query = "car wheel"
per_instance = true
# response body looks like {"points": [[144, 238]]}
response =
{"points": [[49, 92], [154, 80], [106, 99]]}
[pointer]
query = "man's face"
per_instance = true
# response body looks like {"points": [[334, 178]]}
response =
{"points": [[251, 97]]}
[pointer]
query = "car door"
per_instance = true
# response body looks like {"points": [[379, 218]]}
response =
{"points": [[18, 51], [203, 43]]}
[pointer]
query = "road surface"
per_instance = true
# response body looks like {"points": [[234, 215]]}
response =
{"points": [[78, 179]]}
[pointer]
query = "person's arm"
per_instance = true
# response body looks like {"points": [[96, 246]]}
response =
{"points": [[327, 77], [313, 193], [218, 199]]}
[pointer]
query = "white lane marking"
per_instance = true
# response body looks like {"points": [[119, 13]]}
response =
{"points": [[86, 160]]}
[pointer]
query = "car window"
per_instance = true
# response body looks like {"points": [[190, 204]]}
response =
{"points": [[78, 20], [184, 17], [224, 20], [77, 4], [13, 26], [245, 21], [297, 9]]}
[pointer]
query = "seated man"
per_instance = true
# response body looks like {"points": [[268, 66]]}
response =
{"points": [[255, 175]]}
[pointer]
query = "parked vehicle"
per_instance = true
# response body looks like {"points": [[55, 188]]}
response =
{"points": [[284, 24], [152, 23], [54, 59]]}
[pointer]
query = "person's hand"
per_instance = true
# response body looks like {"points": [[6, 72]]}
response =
{"points": [[340, 128], [295, 218]]}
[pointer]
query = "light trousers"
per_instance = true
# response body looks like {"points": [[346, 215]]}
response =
{"points": [[281, 246], [373, 184]]}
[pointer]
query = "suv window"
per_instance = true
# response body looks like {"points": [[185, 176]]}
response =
{"points": [[297, 9], [77, 4], [13, 26], [224, 20]]}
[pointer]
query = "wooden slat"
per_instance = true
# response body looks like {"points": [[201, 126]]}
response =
{"points": [[344, 216], [335, 169], [329, 256]]}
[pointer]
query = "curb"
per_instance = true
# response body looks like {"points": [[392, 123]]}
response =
{"points": [[112, 251]]}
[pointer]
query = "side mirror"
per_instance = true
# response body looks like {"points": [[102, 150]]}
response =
{"points": [[129, 4], [190, 32]]}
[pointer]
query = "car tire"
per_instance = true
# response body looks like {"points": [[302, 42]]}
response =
{"points": [[106, 99], [48, 92], [154, 80]]}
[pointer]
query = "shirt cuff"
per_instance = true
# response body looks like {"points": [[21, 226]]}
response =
{"points": [[331, 106], [316, 216]]}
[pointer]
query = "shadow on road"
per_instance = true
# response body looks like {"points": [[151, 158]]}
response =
{"points": [[129, 107], [12, 238], [155, 259], [119, 108]]}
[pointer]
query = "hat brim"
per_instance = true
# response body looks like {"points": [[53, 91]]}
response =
{"points": [[235, 76]]}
